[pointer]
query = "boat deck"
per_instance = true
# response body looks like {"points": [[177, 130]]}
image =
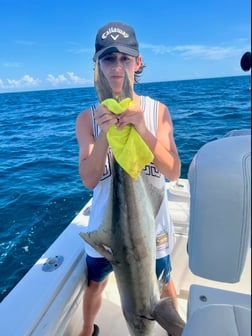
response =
{"points": [[110, 318]]}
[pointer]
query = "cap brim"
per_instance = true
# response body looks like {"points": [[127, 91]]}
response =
{"points": [[109, 50]]}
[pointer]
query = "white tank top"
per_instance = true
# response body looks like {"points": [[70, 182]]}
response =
{"points": [[164, 226]]}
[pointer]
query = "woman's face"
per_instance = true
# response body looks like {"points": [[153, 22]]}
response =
{"points": [[114, 66]]}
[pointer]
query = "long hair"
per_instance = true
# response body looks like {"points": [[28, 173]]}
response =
{"points": [[138, 73]]}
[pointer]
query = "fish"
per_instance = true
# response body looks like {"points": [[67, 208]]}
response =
{"points": [[103, 88], [127, 238]]}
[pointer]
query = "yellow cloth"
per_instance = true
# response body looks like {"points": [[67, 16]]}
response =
{"points": [[129, 149]]}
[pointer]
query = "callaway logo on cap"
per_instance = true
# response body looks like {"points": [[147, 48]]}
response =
{"points": [[115, 37]]}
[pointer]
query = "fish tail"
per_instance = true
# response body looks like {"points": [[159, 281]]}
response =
{"points": [[168, 317]]}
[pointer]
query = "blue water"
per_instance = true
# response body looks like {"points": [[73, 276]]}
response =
{"points": [[40, 189]]}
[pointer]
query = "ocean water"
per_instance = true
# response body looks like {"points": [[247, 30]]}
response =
{"points": [[40, 189]]}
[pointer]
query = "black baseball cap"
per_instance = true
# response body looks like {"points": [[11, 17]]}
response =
{"points": [[116, 37]]}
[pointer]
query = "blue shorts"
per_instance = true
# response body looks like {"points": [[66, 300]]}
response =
{"points": [[99, 268], [163, 268]]}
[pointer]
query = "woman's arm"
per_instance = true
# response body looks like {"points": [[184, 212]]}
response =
{"points": [[162, 145], [93, 152]]}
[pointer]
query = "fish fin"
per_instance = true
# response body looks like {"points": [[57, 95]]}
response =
{"points": [[168, 317], [152, 194], [101, 83], [103, 88], [127, 91], [161, 281], [103, 248]]}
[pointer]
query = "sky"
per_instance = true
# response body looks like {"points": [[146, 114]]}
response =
{"points": [[49, 44]]}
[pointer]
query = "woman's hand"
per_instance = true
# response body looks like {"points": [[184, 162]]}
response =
{"points": [[104, 118], [134, 116]]}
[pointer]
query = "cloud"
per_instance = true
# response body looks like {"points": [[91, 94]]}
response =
{"points": [[70, 79], [77, 80], [11, 64], [56, 80], [202, 51], [25, 82], [80, 50], [28, 82], [157, 49], [210, 53], [76, 48], [25, 42]]}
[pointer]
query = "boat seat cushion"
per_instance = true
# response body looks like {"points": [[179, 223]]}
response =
{"points": [[220, 211], [200, 296], [219, 320]]}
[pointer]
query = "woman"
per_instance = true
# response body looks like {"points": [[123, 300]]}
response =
{"points": [[117, 53]]}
